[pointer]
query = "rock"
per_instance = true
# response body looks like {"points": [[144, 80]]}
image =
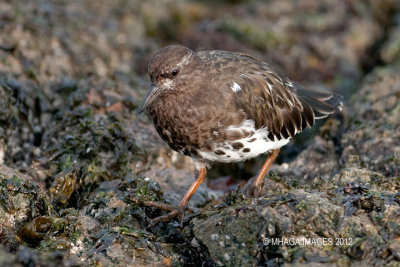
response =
{"points": [[276, 228], [373, 128], [20, 201], [7, 259], [391, 51]]}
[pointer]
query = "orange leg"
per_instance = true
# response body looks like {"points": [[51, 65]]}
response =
{"points": [[256, 186], [185, 200]]}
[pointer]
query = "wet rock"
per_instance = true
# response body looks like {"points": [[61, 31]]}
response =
{"points": [[320, 159], [391, 51], [373, 133], [297, 227], [20, 200], [7, 259]]}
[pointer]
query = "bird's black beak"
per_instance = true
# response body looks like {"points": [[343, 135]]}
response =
{"points": [[147, 99]]}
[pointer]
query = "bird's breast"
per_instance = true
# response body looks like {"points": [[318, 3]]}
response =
{"points": [[179, 124]]}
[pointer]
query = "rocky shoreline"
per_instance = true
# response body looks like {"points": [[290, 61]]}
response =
{"points": [[77, 165]]}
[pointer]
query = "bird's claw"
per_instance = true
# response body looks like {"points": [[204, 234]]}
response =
{"points": [[254, 191], [179, 211]]}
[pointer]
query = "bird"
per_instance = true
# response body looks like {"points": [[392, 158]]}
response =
{"points": [[227, 107]]}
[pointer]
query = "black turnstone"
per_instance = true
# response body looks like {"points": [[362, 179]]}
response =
{"points": [[220, 106]]}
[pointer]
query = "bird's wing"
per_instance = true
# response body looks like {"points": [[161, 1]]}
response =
{"points": [[275, 102], [266, 97]]}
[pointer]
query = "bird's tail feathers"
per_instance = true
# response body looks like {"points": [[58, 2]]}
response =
{"points": [[322, 103]]}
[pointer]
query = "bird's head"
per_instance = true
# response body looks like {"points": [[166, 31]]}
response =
{"points": [[168, 68]]}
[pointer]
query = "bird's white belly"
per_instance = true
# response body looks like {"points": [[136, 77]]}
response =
{"points": [[245, 148]]}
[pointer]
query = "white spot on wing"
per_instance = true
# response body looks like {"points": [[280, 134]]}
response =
{"points": [[236, 87], [269, 87]]}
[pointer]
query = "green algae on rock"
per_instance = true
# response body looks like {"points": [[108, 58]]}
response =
{"points": [[20, 200]]}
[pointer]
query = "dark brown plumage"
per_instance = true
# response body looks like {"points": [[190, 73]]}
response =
{"points": [[227, 107]]}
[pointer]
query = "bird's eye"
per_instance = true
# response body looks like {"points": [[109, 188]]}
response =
{"points": [[175, 72]]}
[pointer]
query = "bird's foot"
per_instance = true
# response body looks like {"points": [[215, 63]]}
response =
{"points": [[179, 211], [182, 207], [158, 205], [253, 191]]}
